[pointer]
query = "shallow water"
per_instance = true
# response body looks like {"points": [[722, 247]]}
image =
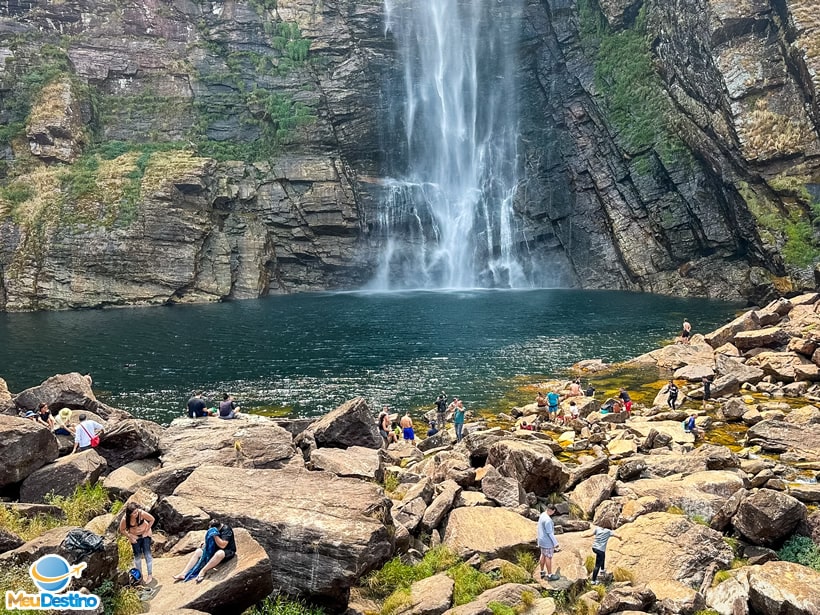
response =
{"points": [[302, 355]]}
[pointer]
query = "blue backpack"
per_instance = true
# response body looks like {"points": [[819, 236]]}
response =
{"points": [[134, 576]]}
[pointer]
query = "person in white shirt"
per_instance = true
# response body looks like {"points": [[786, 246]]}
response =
{"points": [[85, 432]]}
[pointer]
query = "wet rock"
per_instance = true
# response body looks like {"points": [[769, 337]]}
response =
{"points": [[25, 447], [532, 464], [63, 476], [231, 587], [351, 424], [766, 517], [493, 532]]}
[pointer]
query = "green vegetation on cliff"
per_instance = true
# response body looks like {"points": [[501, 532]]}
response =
{"points": [[635, 101]]}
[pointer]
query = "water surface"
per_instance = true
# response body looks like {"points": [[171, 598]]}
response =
{"points": [[305, 354]]}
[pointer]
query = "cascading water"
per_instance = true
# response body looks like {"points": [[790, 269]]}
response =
{"points": [[447, 220]]}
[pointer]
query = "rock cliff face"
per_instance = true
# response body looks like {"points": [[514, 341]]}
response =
{"points": [[195, 150]]}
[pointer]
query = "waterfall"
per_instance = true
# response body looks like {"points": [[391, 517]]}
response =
{"points": [[447, 218]]}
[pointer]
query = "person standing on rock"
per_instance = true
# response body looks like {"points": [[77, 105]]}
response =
{"points": [[671, 394], [627, 401], [136, 525], [407, 429], [707, 389], [547, 543], [552, 402], [384, 427], [601, 538], [458, 420], [686, 332], [441, 409], [86, 431]]}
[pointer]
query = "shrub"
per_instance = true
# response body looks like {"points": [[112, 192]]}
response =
{"points": [[526, 559], [25, 527], [278, 605], [84, 504], [119, 601], [395, 574], [469, 583], [589, 563], [801, 550]]}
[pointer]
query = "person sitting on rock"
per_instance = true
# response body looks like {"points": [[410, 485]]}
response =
{"points": [[432, 431], [62, 423], [219, 546], [197, 407], [575, 389], [44, 416], [85, 433], [228, 408], [689, 426]]}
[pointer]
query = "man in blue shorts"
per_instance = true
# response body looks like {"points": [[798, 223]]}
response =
{"points": [[407, 429]]}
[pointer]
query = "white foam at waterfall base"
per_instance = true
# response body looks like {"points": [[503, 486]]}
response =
{"points": [[447, 217]]}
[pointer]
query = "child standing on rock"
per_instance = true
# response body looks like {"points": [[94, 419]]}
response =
{"points": [[601, 538], [547, 543]]}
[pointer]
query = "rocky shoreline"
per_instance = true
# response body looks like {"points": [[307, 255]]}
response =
{"points": [[319, 505]]}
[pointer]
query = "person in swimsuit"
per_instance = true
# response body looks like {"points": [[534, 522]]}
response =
{"points": [[627, 401], [686, 332], [136, 525], [407, 429]]}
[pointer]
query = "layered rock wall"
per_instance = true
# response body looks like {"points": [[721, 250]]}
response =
{"points": [[195, 151]]}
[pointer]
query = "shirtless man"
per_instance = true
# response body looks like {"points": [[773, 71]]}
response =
{"points": [[407, 429], [575, 389], [687, 331]]}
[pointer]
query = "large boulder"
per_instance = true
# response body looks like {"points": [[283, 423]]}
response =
{"points": [[71, 390], [63, 476], [517, 597], [779, 365], [725, 334], [761, 338], [767, 517], [661, 546], [25, 446], [777, 436], [351, 424], [430, 596], [703, 458], [728, 366], [591, 492], [776, 588], [355, 461], [5, 396], [675, 356], [531, 463], [129, 440], [101, 565], [229, 588], [323, 532], [503, 490], [440, 506], [253, 442], [176, 515], [478, 442], [701, 493], [493, 532], [9, 540], [598, 465]]}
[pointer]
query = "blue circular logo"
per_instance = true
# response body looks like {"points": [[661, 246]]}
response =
{"points": [[52, 573]]}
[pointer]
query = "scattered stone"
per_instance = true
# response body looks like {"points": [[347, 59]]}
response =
{"points": [[591, 492], [430, 596]]}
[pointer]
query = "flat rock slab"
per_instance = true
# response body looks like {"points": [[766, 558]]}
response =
{"points": [[784, 587], [494, 532], [666, 546], [245, 443], [355, 462], [229, 588], [701, 493], [780, 436], [322, 532]]}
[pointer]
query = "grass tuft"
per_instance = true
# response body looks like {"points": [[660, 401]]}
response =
{"points": [[622, 574], [469, 583], [84, 504], [278, 605], [526, 559]]}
